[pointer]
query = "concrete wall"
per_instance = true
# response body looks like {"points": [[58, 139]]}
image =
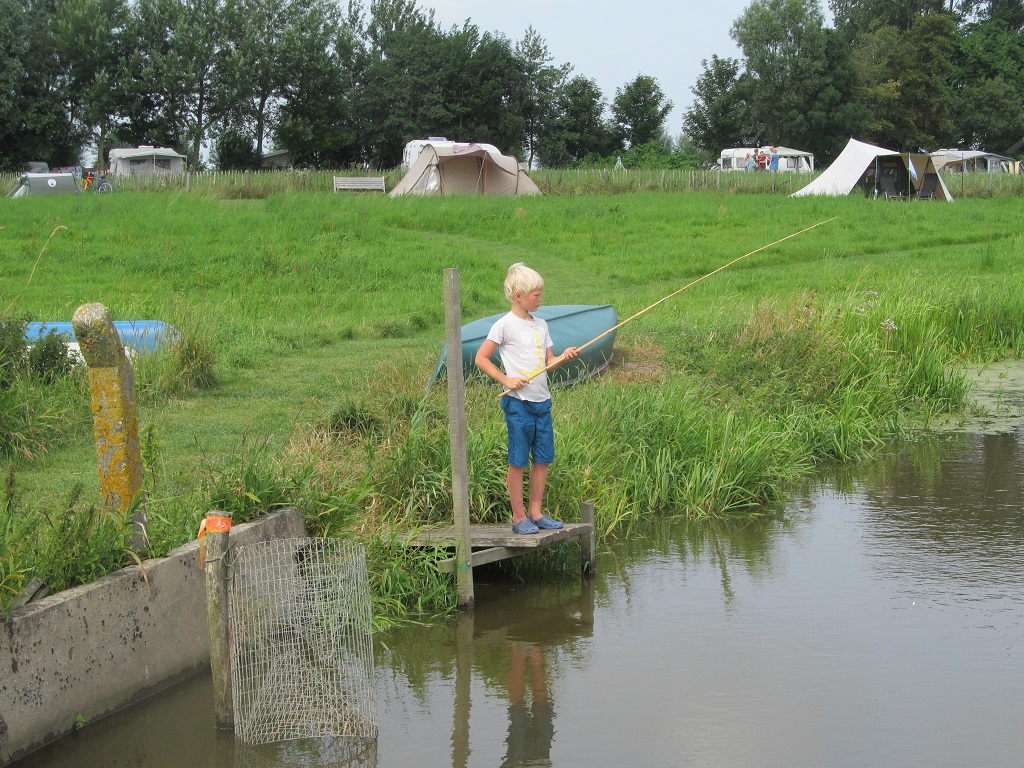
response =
{"points": [[89, 651]]}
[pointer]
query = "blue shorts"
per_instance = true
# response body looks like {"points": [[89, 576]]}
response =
{"points": [[529, 431]]}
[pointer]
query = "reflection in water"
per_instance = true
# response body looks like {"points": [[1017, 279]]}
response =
{"points": [[876, 622], [529, 729]]}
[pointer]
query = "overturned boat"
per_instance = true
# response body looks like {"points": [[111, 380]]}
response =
{"points": [[571, 325], [136, 335]]}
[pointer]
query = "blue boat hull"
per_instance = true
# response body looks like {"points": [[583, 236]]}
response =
{"points": [[137, 335], [571, 325]]}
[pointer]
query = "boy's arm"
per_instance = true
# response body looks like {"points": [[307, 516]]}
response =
{"points": [[484, 363], [553, 361]]}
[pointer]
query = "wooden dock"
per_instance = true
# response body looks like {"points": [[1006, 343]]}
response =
{"points": [[474, 545], [499, 542]]}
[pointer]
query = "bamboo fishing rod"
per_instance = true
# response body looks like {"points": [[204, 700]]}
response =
{"points": [[675, 293]]}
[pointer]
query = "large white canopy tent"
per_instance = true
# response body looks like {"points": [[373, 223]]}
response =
{"points": [[878, 166], [471, 170]]}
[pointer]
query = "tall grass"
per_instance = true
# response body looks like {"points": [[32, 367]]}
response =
{"points": [[311, 322]]}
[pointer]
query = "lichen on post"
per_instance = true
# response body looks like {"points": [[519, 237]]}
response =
{"points": [[114, 411]]}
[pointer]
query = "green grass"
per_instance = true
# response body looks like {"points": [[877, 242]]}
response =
{"points": [[312, 321]]}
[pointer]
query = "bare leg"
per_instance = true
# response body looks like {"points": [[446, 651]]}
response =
{"points": [[538, 479], [515, 492], [516, 682]]}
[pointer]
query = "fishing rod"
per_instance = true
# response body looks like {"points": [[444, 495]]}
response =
{"points": [[676, 292]]}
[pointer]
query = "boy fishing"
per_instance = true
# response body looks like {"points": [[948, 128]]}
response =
{"points": [[524, 346]]}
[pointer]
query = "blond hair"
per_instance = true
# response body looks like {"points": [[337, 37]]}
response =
{"points": [[521, 279]]}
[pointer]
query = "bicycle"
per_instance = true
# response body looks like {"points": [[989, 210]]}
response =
{"points": [[89, 182]]}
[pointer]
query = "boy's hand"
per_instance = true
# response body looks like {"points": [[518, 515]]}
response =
{"points": [[512, 383], [570, 353]]}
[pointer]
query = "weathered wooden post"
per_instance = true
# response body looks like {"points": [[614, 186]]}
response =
{"points": [[588, 545], [457, 438], [115, 416], [215, 532]]}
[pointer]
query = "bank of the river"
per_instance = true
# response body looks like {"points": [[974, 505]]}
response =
{"points": [[319, 317]]}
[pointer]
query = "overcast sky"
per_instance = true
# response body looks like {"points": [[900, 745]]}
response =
{"points": [[612, 41]]}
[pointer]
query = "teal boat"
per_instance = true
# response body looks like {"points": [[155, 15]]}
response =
{"points": [[571, 325]]}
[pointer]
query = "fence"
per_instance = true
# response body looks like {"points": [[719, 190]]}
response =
{"points": [[566, 181]]}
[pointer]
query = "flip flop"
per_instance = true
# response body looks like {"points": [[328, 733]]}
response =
{"points": [[524, 526], [546, 523]]}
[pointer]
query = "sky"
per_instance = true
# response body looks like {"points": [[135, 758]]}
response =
{"points": [[611, 41]]}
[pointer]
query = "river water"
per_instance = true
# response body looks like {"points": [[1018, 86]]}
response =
{"points": [[878, 621]]}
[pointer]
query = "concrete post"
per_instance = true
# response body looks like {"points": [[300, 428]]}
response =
{"points": [[115, 417], [217, 530]]}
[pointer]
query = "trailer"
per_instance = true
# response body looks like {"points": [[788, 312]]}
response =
{"points": [[790, 160]]}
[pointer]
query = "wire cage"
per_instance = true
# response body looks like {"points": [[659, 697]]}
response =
{"points": [[300, 624]]}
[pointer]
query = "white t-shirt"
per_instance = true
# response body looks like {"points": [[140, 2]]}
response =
{"points": [[522, 345]]}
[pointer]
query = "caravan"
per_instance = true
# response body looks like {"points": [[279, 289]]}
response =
{"points": [[145, 160], [790, 160]]}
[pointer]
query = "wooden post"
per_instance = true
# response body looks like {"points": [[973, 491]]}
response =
{"points": [[588, 542], [188, 180], [115, 417], [217, 528], [457, 438]]}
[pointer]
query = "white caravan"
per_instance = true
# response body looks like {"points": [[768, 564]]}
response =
{"points": [[790, 160]]}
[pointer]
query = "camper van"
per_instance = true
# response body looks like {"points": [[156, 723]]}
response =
{"points": [[790, 160], [414, 147], [145, 160]]}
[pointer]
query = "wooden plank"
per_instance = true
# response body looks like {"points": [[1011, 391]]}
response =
{"points": [[483, 556], [497, 536]]}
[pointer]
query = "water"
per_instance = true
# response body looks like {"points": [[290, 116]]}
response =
{"points": [[878, 623]]}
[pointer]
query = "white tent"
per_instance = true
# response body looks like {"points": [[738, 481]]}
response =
{"points": [[889, 173], [465, 170], [128, 162]]}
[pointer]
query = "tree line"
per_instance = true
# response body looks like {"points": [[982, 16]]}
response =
{"points": [[903, 74], [336, 85]]}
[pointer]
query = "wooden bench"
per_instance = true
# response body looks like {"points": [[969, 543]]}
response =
{"points": [[359, 184]]}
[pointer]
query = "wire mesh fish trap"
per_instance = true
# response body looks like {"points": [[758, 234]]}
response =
{"points": [[301, 641]]}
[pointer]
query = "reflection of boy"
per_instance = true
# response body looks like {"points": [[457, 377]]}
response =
{"points": [[524, 345], [529, 732]]}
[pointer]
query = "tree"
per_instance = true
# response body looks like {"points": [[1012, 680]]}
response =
{"points": [[720, 115], [315, 120], [578, 129], [174, 73], [989, 115], [640, 109], [91, 40], [542, 83], [35, 100], [784, 44]]}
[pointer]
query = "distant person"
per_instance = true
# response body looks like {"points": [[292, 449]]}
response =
{"points": [[762, 160], [524, 345], [751, 162], [773, 162]]}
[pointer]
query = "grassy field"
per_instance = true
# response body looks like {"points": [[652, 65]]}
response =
{"points": [[314, 320]]}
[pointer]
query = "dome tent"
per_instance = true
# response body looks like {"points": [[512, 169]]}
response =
{"points": [[469, 170]]}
